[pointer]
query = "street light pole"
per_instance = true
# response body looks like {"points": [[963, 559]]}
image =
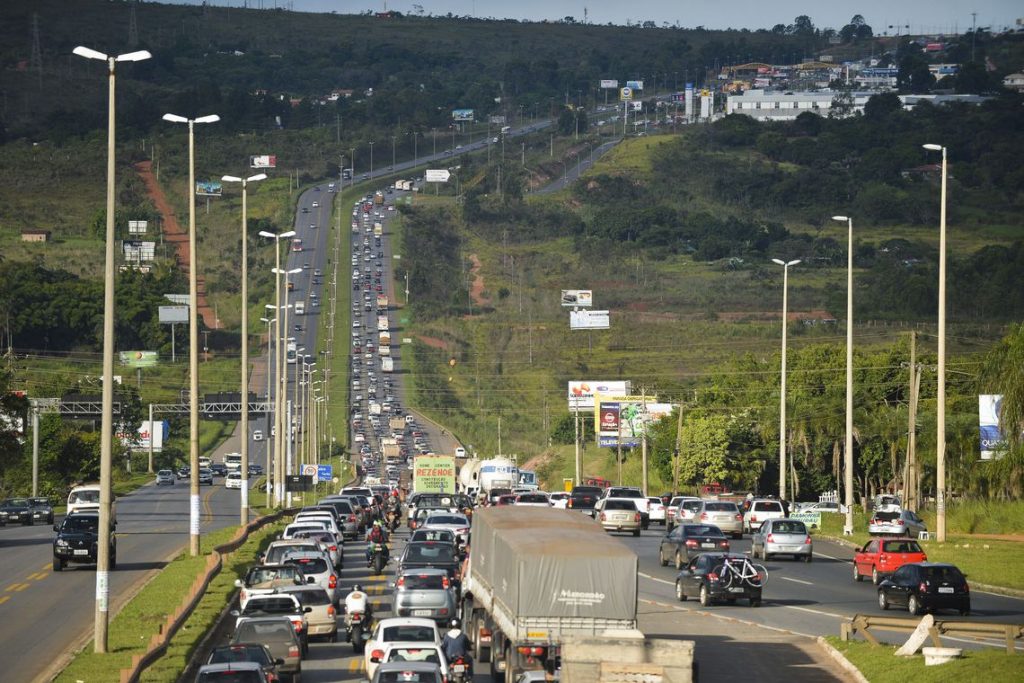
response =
{"points": [[107, 403], [940, 419], [371, 158], [392, 151], [848, 460], [266, 437], [243, 515], [782, 390], [193, 326]]}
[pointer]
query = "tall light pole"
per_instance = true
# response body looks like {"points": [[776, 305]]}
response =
{"points": [[266, 437], [371, 158], [193, 328], [107, 418], [392, 151], [243, 515], [352, 178], [279, 357], [848, 464], [282, 465], [940, 407], [415, 148], [782, 387]]}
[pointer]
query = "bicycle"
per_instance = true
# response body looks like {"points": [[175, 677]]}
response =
{"points": [[742, 571]]}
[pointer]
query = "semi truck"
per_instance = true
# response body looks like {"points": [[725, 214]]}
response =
{"points": [[382, 323], [530, 584], [382, 301]]}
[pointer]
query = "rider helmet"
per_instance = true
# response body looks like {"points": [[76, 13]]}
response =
{"points": [[454, 623], [357, 588]]}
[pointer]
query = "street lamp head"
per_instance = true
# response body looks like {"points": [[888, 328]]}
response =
{"points": [[290, 233], [231, 179], [209, 118], [840, 218], [933, 147], [293, 271], [89, 53], [779, 261], [270, 307], [137, 56], [792, 263], [174, 118], [254, 178], [264, 233]]}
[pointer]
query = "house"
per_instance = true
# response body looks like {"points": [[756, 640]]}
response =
{"points": [[1014, 82], [35, 235]]}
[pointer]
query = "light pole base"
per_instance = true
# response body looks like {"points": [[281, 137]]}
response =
{"points": [[847, 530]]}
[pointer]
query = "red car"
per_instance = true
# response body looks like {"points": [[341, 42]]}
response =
{"points": [[881, 557]]}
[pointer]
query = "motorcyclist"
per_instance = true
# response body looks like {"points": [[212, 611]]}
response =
{"points": [[378, 535], [455, 644], [358, 601]]}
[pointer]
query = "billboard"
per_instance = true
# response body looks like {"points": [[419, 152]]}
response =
{"points": [[993, 445], [609, 85], [625, 94], [263, 161], [139, 359], [157, 431], [626, 418], [577, 297], [433, 473], [635, 85], [462, 115], [637, 105], [208, 188], [170, 315], [689, 101], [137, 252], [586, 319], [581, 392], [497, 119]]}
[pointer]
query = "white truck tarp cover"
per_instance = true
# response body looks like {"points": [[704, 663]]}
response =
{"points": [[545, 562]]}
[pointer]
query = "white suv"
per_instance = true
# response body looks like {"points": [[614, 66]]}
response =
{"points": [[760, 510]]}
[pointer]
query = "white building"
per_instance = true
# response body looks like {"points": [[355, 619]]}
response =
{"points": [[777, 106]]}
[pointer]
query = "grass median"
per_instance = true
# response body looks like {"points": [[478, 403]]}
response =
{"points": [[130, 630], [879, 664]]}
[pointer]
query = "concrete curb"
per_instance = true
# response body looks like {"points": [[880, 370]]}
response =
{"points": [[841, 660]]}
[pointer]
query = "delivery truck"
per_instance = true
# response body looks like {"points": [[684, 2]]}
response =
{"points": [[531, 583], [382, 323], [387, 364], [382, 301]]}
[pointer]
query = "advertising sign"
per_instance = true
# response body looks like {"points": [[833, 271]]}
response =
{"points": [[437, 175], [433, 473], [139, 359], [626, 417], [462, 115], [678, 96], [637, 105], [625, 94], [993, 445], [586, 319], [811, 519], [173, 314], [157, 431], [136, 252], [497, 119], [581, 393], [577, 297], [689, 101], [297, 483], [137, 227], [208, 188], [609, 84], [263, 161], [635, 85]]}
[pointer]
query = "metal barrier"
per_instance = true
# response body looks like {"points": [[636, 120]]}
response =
{"points": [[863, 623]]}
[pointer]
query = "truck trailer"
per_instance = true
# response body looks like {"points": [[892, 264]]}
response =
{"points": [[531, 582]]}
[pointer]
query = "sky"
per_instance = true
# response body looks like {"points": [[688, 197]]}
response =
{"points": [[922, 16]]}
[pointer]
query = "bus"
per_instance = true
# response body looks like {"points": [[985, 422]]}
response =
{"points": [[233, 461], [297, 244]]}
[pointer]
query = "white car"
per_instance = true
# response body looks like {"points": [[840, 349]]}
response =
{"points": [[559, 499], [761, 510], [397, 630], [257, 435], [457, 523], [326, 517], [411, 652], [233, 480], [656, 510]]}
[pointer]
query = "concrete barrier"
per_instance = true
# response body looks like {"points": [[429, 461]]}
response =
{"points": [[620, 657]]}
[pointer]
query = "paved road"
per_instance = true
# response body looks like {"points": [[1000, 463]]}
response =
{"points": [[42, 613], [583, 162]]}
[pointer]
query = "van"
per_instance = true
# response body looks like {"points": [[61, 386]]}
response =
{"points": [[87, 497]]}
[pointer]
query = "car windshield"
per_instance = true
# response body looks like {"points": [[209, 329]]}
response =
{"points": [[789, 527], [691, 505], [942, 573], [321, 536], [240, 653], [76, 523], [16, 502], [430, 552], [625, 493], [414, 654], [259, 575], [901, 547], [165, 473], [87, 496], [702, 530], [312, 597], [408, 633], [620, 505], [270, 605], [265, 631], [721, 507], [309, 565], [423, 582]]}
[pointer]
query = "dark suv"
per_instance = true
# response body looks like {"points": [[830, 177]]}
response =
{"points": [[77, 538], [584, 498]]}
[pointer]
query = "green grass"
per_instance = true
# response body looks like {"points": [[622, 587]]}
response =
{"points": [[130, 630], [880, 665], [994, 562]]}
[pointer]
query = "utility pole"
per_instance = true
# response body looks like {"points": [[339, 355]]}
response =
{"points": [[915, 383], [643, 439], [576, 444], [618, 447], [675, 456]]}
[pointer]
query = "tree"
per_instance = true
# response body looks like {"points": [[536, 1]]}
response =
{"points": [[842, 105], [879, 107], [704, 449], [856, 30]]}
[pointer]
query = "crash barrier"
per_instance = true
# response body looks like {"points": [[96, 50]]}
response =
{"points": [[214, 561], [863, 623], [627, 656]]}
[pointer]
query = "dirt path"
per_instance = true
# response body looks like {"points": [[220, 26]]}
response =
{"points": [[433, 342], [175, 235], [476, 290]]}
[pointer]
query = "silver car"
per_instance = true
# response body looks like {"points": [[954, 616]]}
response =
{"points": [[898, 523], [456, 523], [426, 593], [723, 514], [322, 619], [782, 537], [315, 566], [619, 514]]}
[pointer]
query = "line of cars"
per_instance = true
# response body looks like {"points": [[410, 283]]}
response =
{"points": [[26, 511]]}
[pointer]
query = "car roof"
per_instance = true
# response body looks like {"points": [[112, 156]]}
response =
{"points": [[406, 621], [424, 571], [408, 666], [231, 666]]}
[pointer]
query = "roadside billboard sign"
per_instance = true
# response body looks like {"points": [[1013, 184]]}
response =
{"points": [[462, 115], [811, 519], [581, 392], [577, 297], [137, 227], [626, 417], [625, 94], [324, 472], [608, 84], [139, 359], [437, 175], [637, 105], [433, 473], [263, 161], [208, 188], [137, 251], [993, 445], [586, 319], [635, 85], [170, 315]]}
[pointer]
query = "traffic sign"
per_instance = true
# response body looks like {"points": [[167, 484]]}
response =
{"points": [[309, 470], [437, 175], [324, 472], [625, 93]]}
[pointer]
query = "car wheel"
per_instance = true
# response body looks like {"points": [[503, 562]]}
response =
{"points": [[661, 558], [808, 557], [705, 597], [965, 612], [680, 593], [58, 564], [765, 555], [755, 602], [679, 561], [883, 602], [856, 573], [738, 536], [875, 578], [113, 561], [636, 532], [914, 605]]}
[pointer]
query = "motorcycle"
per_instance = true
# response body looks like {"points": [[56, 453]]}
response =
{"points": [[394, 518], [378, 557], [460, 670], [357, 630]]}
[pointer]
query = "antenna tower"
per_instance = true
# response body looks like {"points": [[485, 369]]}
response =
{"points": [[133, 28], [35, 62]]}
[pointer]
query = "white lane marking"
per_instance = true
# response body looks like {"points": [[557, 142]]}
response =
{"points": [[806, 583], [724, 617], [655, 578], [818, 611], [831, 557]]}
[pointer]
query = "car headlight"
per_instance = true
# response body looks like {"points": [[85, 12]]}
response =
{"points": [[62, 543]]}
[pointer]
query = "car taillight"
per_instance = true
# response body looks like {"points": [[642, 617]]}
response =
{"points": [[293, 650], [807, 541], [603, 517], [569, 504], [298, 625], [400, 582], [444, 582], [704, 516], [377, 654], [334, 548], [530, 651], [739, 518], [332, 582], [753, 518], [352, 519], [712, 576], [900, 522], [636, 517], [770, 539], [691, 543], [724, 544]]}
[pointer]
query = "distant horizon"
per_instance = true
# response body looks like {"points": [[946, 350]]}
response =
{"points": [[925, 17]]}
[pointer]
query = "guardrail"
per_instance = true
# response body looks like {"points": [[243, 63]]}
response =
{"points": [[863, 623]]}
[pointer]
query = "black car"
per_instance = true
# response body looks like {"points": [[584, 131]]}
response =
{"points": [[18, 510], [584, 498], [219, 469], [76, 540], [246, 652], [926, 586], [42, 509], [255, 469], [430, 554], [714, 577], [687, 541]]}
